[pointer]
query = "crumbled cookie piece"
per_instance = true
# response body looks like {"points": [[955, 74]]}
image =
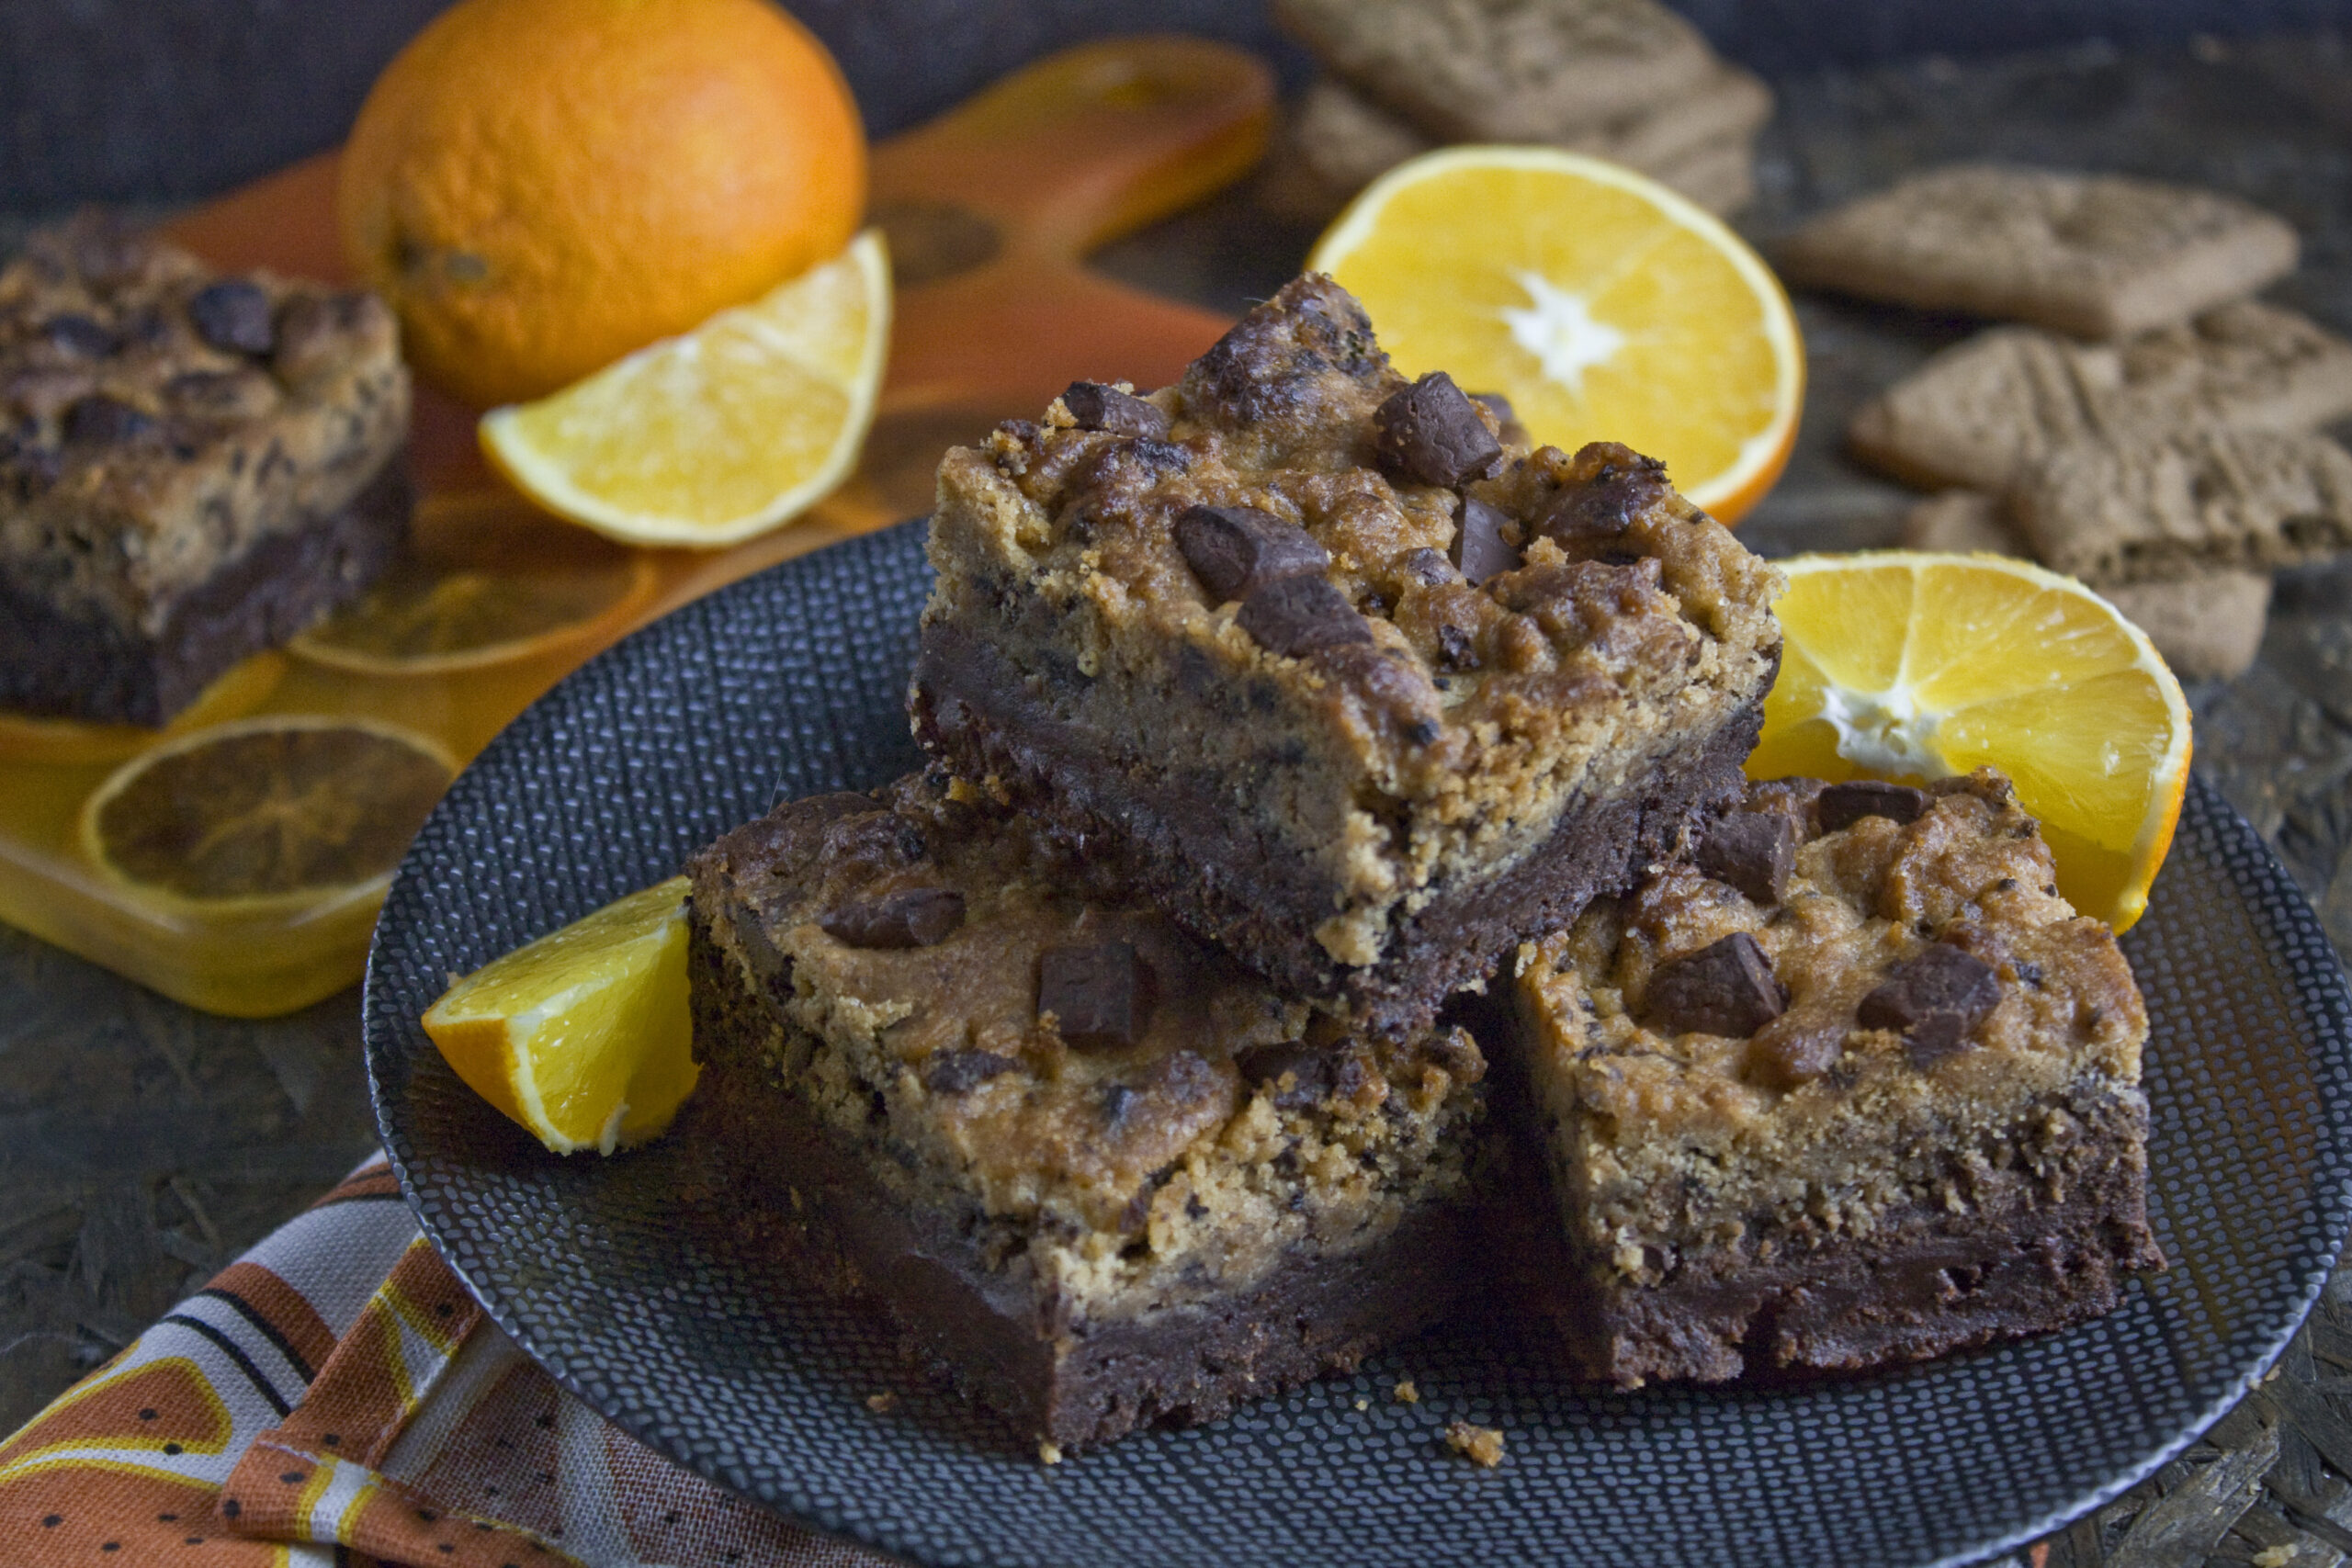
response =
{"points": [[1479, 1445]]}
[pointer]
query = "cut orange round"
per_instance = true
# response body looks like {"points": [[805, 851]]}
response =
{"points": [[236, 691], [1605, 306], [264, 815], [487, 579], [582, 1036], [711, 438], [1906, 665]]}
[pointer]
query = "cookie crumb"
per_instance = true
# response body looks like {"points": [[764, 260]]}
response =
{"points": [[881, 1404], [1479, 1445], [1363, 1405], [1048, 1453], [1406, 1394], [2277, 1556]]}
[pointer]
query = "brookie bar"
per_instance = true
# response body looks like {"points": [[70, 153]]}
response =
{"points": [[1346, 685]]}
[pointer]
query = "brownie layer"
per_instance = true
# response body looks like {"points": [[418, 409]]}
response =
{"points": [[1216, 875], [1018, 1347], [93, 668], [1924, 1281]]}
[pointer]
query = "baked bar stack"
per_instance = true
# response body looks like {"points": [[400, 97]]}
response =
{"points": [[1626, 80], [1125, 1059], [1272, 710], [2148, 428], [192, 468]]}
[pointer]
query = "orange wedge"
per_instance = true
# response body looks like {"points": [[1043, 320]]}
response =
{"points": [[723, 434], [1905, 665], [1605, 306], [582, 1036]]}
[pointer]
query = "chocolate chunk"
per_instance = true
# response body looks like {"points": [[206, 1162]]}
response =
{"points": [[959, 1072], [1099, 995], [1431, 435], [912, 917], [1456, 647], [1428, 567], [1497, 405], [1843, 804], [1235, 550], [101, 421], [1726, 988], [233, 315], [1309, 1071], [78, 335], [1933, 1001], [1786, 1058], [1481, 544], [1098, 407], [1295, 615], [1586, 516], [1752, 850]]}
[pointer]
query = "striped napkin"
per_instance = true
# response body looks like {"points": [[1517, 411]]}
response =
{"points": [[335, 1397]]}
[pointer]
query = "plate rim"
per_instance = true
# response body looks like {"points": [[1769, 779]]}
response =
{"points": [[2323, 998]]}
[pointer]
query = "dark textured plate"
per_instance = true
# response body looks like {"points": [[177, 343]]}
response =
{"points": [[792, 682]]}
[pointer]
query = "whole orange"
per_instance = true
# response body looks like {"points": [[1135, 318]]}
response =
{"points": [[539, 186]]}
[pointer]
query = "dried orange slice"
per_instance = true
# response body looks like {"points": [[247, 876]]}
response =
{"points": [[236, 691], [582, 1036], [710, 438], [1605, 306], [1901, 665], [487, 579], [266, 814]]}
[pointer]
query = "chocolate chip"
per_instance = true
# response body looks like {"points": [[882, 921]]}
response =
{"points": [[233, 315], [1456, 649], [1431, 435], [1295, 615], [1235, 550], [78, 335], [1309, 1071], [1098, 407], [959, 1072], [1098, 995], [1752, 850], [912, 917], [1933, 1001], [1428, 567], [1786, 1058], [101, 421], [1843, 804], [1586, 516], [1481, 544], [1726, 988]]}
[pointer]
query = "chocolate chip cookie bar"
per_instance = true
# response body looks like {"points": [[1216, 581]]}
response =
{"points": [[1851, 1086], [1348, 685], [192, 468], [1104, 1176]]}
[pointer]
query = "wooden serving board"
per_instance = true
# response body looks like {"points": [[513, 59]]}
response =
{"points": [[991, 211]]}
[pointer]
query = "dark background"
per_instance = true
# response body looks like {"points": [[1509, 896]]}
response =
{"points": [[151, 101]]}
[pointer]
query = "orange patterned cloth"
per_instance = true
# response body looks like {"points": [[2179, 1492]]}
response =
{"points": [[334, 1397]]}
